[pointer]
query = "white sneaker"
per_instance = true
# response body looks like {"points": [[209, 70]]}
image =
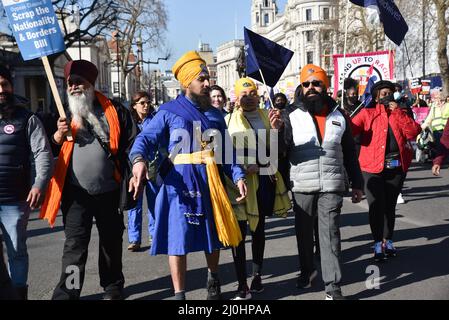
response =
{"points": [[400, 199], [244, 294]]}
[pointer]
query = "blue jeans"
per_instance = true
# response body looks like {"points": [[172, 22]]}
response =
{"points": [[135, 216], [13, 222]]}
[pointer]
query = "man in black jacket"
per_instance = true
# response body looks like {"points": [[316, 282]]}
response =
{"points": [[22, 137], [320, 149], [103, 131]]}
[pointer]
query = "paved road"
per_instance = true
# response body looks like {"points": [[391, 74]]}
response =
{"points": [[421, 270]]}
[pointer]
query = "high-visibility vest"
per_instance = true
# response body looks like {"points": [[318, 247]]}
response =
{"points": [[440, 117]]}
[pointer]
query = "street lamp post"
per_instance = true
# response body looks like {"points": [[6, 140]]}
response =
{"points": [[155, 73], [140, 57], [77, 19]]}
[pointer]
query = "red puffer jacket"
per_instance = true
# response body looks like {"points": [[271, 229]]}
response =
{"points": [[372, 124]]}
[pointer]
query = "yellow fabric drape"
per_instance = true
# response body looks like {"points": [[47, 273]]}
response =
{"points": [[249, 210], [225, 221]]}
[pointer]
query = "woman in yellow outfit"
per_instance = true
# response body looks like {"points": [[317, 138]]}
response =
{"points": [[267, 193]]}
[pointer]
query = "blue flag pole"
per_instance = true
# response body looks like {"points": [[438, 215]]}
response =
{"points": [[266, 89], [344, 56]]}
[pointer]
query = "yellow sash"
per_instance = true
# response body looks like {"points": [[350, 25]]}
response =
{"points": [[226, 224]]}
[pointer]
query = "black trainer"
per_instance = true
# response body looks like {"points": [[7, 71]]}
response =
{"points": [[305, 279], [335, 295], [113, 294], [213, 290], [256, 284], [243, 293]]}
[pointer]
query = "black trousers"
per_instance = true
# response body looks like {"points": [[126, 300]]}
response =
{"points": [[265, 202], [78, 209], [382, 191]]}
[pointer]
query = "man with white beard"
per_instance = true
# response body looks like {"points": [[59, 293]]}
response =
{"points": [[87, 182]]}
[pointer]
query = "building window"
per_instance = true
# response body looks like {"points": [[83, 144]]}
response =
{"points": [[327, 59], [257, 18], [115, 87], [310, 57], [326, 14], [326, 35], [309, 36], [266, 19], [308, 14], [266, 3]]}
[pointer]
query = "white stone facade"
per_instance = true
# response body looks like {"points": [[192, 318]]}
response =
{"points": [[307, 27], [227, 74]]}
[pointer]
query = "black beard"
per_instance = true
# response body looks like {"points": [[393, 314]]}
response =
{"points": [[203, 101], [6, 106], [314, 104]]}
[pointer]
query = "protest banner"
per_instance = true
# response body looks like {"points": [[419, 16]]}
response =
{"points": [[37, 33], [358, 66], [415, 86], [425, 90]]}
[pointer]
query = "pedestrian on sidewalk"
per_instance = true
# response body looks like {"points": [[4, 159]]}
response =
{"points": [[442, 151], [192, 211], [142, 112], [267, 193], [385, 156], [87, 181], [23, 141], [319, 141]]}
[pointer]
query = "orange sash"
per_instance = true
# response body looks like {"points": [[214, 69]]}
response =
{"points": [[52, 201]]}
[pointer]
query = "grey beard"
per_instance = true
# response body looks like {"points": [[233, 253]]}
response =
{"points": [[204, 102], [82, 109]]}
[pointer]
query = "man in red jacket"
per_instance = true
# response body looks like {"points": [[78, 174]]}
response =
{"points": [[385, 157]]}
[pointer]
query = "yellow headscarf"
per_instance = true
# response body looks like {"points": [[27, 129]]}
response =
{"points": [[244, 84], [189, 67]]}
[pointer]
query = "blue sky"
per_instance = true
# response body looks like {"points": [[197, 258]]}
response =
{"points": [[212, 21]]}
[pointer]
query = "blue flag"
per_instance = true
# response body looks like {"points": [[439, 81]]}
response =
{"points": [[366, 97], [267, 56], [394, 24]]}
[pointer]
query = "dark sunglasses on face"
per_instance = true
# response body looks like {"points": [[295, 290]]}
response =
{"points": [[314, 83]]}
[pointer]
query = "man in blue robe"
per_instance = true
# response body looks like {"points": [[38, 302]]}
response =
{"points": [[184, 215]]}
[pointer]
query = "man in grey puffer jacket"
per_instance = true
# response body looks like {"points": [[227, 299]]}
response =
{"points": [[321, 150]]}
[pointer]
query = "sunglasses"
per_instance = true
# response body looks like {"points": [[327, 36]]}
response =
{"points": [[143, 102], [314, 83]]}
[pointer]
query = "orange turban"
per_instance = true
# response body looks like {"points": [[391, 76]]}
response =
{"points": [[312, 70], [243, 84], [189, 67]]}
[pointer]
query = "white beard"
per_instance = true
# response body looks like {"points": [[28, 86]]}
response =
{"points": [[81, 106]]}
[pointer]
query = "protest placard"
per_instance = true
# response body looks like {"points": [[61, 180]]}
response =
{"points": [[37, 33]]}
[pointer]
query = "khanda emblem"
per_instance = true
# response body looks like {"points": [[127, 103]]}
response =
{"points": [[204, 70], [247, 84]]}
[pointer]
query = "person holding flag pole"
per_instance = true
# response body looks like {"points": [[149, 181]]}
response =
{"points": [[267, 193]]}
